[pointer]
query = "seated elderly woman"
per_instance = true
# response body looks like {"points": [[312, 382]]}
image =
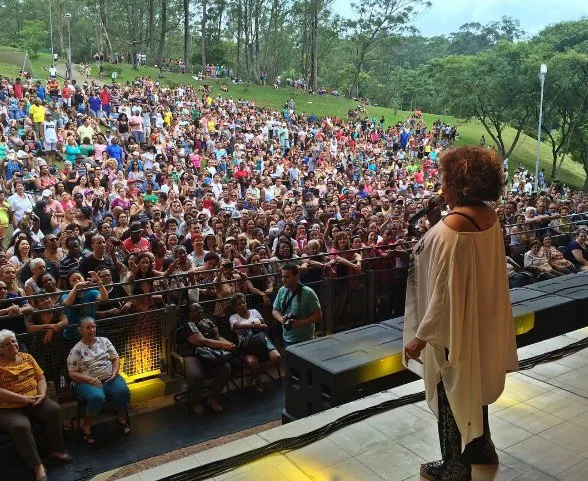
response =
{"points": [[93, 366], [555, 258], [537, 261], [577, 250], [258, 358], [203, 333], [22, 398]]}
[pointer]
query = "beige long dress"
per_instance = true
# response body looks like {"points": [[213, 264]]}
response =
{"points": [[458, 300]]}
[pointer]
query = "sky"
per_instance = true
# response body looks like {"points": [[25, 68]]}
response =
{"points": [[446, 16]]}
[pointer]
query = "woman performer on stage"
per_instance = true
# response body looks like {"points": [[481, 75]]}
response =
{"points": [[458, 329]]}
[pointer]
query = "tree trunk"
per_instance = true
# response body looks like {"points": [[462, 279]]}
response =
{"points": [[314, 7], [246, 27], [187, 33], [219, 26], [256, 66], [151, 13], [203, 36], [103, 10], [163, 31], [239, 33]]}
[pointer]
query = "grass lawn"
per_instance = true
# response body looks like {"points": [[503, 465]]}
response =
{"points": [[571, 173]]}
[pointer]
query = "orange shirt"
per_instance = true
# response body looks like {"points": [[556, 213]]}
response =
{"points": [[20, 378]]}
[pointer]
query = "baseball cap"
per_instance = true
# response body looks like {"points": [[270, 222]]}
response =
{"points": [[46, 193], [38, 247]]}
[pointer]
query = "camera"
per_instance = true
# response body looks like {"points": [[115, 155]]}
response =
{"points": [[288, 318]]}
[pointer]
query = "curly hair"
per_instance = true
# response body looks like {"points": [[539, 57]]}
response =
{"points": [[472, 174]]}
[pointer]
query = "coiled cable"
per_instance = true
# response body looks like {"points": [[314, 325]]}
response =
{"points": [[215, 468]]}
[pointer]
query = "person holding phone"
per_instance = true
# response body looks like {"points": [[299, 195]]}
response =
{"points": [[93, 365], [227, 282]]}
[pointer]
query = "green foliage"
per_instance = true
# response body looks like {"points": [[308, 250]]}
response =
{"points": [[31, 37], [108, 68]]}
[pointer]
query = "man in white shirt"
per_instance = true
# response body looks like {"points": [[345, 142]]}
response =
{"points": [[217, 187], [226, 203], [49, 135]]}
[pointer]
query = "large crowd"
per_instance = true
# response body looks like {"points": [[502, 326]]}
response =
{"points": [[116, 198]]}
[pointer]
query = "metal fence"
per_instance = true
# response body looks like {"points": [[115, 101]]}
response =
{"points": [[138, 338], [145, 340]]}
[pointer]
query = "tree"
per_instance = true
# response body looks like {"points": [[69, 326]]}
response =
{"points": [[375, 21], [186, 33], [32, 37], [579, 147], [498, 87], [473, 37], [566, 99]]}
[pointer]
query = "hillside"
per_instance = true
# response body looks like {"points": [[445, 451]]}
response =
{"points": [[572, 173]]}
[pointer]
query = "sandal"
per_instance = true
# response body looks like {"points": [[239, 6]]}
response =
{"points": [[124, 428], [214, 405], [88, 439], [53, 459]]}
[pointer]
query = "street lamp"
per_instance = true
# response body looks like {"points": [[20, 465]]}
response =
{"points": [[68, 68], [542, 73]]}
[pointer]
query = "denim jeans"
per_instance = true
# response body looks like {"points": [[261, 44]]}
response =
{"points": [[95, 397]]}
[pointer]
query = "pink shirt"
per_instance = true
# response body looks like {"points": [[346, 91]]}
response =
{"points": [[136, 123]]}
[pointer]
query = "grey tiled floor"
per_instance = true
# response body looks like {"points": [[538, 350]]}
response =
{"points": [[539, 426]]}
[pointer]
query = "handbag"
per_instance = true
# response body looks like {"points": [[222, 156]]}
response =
{"points": [[212, 357], [253, 343]]}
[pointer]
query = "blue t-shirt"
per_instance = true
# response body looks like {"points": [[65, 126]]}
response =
{"points": [[94, 103], [75, 314], [572, 246], [115, 151]]}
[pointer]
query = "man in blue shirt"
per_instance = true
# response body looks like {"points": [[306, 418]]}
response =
{"points": [[94, 104], [296, 307], [115, 151]]}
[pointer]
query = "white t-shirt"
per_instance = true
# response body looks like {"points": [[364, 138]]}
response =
{"points": [[94, 360], [50, 132], [254, 316]]}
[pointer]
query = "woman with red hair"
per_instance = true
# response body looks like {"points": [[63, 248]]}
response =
{"points": [[458, 329]]}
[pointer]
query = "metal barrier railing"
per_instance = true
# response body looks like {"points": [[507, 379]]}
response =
{"points": [[138, 339], [145, 340]]}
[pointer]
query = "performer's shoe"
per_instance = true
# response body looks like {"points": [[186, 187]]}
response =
{"points": [[481, 451], [446, 471]]}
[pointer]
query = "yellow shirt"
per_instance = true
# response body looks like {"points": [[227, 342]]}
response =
{"points": [[4, 221], [20, 378], [37, 112], [167, 118], [211, 126]]}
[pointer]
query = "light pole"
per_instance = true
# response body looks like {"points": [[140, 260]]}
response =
{"points": [[51, 34], [542, 73], [68, 67]]}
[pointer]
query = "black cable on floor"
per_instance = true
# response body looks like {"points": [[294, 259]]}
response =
{"points": [[218, 467]]}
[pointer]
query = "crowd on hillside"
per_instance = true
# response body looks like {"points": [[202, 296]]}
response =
{"points": [[158, 188]]}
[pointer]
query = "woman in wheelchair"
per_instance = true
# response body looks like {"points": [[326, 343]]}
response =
{"points": [[205, 355], [258, 351]]}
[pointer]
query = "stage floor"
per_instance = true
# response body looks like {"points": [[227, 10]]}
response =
{"points": [[539, 426]]}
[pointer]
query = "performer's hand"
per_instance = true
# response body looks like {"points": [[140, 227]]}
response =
{"points": [[413, 349], [434, 215]]}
